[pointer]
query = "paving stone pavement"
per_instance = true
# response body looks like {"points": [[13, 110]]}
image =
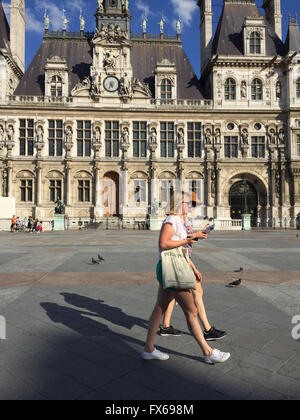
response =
{"points": [[76, 330]]}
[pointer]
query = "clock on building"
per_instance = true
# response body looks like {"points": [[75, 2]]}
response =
{"points": [[111, 84]]}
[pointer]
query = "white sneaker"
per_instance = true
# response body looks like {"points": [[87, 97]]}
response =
{"points": [[217, 356], [155, 355]]}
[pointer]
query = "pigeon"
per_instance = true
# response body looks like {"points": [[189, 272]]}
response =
{"points": [[235, 283], [297, 236], [100, 258], [94, 261]]}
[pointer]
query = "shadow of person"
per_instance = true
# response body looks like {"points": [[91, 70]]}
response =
{"points": [[75, 320], [102, 310]]}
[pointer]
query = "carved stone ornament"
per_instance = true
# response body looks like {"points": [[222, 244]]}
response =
{"points": [[111, 34], [85, 84], [141, 87]]}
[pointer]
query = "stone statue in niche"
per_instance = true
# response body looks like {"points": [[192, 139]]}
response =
{"points": [[245, 136]]}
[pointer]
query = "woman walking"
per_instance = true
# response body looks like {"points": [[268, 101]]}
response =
{"points": [[173, 235]]}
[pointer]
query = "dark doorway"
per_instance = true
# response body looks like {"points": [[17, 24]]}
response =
{"points": [[237, 201]]}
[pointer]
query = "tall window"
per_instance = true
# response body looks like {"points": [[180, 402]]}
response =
{"points": [[166, 89], [167, 136], [298, 88], [194, 140], [112, 138], [84, 138], [255, 43], [139, 191], [298, 145], [26, 190], [55, 137], [139, 139], [56, 86], [55, 190], [231, 146], [230, 90], [257, 90], [84, 191], [26, 137], [258, 147]]}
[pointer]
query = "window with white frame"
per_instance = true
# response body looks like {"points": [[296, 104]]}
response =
{"points": [[298, 145], [166, 89], [257, 90], [230, 90], [255, 43], [56, 86], [26, 190], [26, 137], [298, 88], [139, 186]]}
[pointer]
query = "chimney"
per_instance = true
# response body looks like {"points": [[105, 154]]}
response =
{"points": [[205, 31], [273, 15]]}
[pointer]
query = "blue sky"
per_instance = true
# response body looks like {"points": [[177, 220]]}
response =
{"points": [[171, 9]]}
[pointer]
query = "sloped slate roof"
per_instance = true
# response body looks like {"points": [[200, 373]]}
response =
{"points": [[229, 40], [4, 30], [78, 54], [293, 38]]}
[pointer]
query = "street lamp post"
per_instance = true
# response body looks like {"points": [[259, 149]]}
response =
{"points": [[246, 217]]}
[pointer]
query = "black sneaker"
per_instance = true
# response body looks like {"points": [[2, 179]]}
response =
{"points": [[169, 331], [214, 334]]}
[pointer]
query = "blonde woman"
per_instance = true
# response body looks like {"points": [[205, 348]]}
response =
{"points": [[173, 235]]}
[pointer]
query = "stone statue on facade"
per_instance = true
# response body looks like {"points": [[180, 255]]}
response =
{"points": [[2, 137], [180, 137], [153, 137], [281, 137], [243, 89], [69, 135], [59, 209], [178, 26], [82, 22], [217, 136], [65, 21], [97, 136], [125, 87], [144, 25], [110, 61], [40, 134], [10, 135], [139, 86], [46, 20], [245, 136], [272, 137], [125, 136], [208, 136]]}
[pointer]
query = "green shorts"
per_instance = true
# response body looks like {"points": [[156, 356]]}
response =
{"points": [[159, 276]]}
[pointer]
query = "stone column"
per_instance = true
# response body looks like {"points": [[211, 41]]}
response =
{"points": [[68, 185], [9, 180], [218, 187], [38, 184], [208, 187], [1, 180]]}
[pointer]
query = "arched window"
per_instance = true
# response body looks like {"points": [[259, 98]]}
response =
{"points": [[230, 90], [257, 90], [298, 88], [166, 89], [56, 86], [255, 43]]}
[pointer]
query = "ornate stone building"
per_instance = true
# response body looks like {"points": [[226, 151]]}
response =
{"points": [[111, 122]]}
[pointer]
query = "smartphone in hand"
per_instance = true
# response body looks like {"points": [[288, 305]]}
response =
{"points": [[209, 229]]}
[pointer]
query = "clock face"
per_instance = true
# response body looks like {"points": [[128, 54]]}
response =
{"points": [[111, 84]]}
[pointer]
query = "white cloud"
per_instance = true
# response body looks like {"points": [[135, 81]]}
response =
{"points": [[143, 7], [33, 24], [184, 9]]}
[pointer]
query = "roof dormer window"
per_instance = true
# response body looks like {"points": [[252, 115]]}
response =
{"points": [[254, 35], [255, 43]]}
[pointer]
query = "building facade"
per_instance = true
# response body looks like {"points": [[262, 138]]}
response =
{"points": [[112, 122]]}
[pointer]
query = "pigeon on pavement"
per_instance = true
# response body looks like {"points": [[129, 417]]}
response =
{"points": [[235, 283], [94, 261], [100, 258]]}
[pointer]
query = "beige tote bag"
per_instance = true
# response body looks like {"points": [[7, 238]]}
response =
{"points": [[176, 270]]}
